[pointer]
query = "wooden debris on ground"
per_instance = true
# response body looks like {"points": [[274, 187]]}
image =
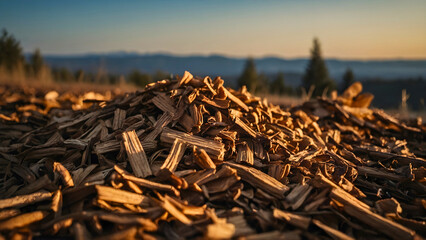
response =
{"points": [[189, 158]]}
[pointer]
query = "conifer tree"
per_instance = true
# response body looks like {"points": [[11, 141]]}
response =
{"points": [[249, 76], [278, 85], [10, 52], [316, 74], [348, 79], [37, 62]]}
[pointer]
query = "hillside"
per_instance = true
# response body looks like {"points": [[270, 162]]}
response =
{"points": [[123, 63]]}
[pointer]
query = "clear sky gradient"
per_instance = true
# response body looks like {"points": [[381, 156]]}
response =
{"points": [[367, 29]]}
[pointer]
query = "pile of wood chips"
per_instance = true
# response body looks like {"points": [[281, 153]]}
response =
{"points": [[189, 158]]}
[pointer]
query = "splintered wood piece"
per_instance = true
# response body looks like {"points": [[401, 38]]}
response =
{"points": [[260, 180], [294, 235], [202, 159], [186, 78], [236, 100], [352, 91], [35, 186], [45, 152], [196, 115], [334, 233], [23, 220], [119, 116], [379, 223], [225, 171], [244, 154], [199, 176], [8, 213], [80, 174], [221, 184], [298, 195], [220, 230], [373, 172], [164, 103], [340, 160], [218, 103], [246, 128], [388, 206], [79, 120], [241, 226], [175, 155], [187, 122], [120, 196], [127, 233], [57, 203], [161, 123], [75, 143], [208, 82], [415, 161], [187, 209], [363, 100], [170, 208], [63, 172], [321, 181], [294, 219], [23, 200], [147, 183], [128, 219], [213, 148], [136, 154]]}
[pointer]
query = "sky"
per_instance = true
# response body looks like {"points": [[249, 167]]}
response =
{"points": [[365, 29]]}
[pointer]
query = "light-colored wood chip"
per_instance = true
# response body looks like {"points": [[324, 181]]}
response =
{"points": [[260, 180], [120, 196], [202, 159], [214, 148], [147, 183], [175, 155], [23, 220], [244, 154], [23, 200], [170, 208], [136, 154], [63, 172]]}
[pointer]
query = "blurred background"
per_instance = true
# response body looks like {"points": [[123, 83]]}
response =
{"points": [[284, 50]]}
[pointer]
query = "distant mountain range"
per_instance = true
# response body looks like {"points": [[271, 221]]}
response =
{"points": [[231, 67]]}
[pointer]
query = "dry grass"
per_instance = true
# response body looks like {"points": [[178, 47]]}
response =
{"points": [[44, 83], [282, 100]]}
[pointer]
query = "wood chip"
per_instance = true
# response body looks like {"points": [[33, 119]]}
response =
{"points": [[23, 200], [63, 172], [175, 155], [120, 196], [119, 117], [136, 154], [212, 147], [22, 220], [260, 180]]}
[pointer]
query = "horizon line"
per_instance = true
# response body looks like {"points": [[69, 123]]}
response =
{"points": [[124, 52]]}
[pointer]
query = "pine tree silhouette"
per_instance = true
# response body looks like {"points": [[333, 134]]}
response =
{"points": [[316, 74], [348, 79], [10, 52], [249, 76], [37, 62]]}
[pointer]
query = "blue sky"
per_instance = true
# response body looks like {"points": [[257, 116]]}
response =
{"points": [[376, 29]]}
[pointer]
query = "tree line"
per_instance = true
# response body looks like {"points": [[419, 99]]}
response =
{"points": [[12, 61], [315, 82]]}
